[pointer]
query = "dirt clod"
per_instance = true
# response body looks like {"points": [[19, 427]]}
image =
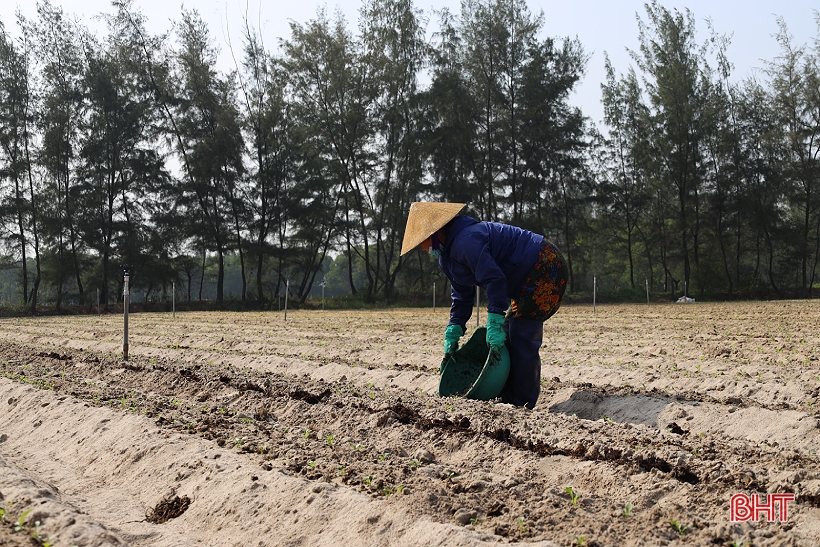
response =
{"points": [[168, 509]]}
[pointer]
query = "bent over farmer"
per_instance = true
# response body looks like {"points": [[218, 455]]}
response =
{"points": [[511, 264]]}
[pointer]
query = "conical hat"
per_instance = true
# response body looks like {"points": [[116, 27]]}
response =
{"points": [[424, 219]]}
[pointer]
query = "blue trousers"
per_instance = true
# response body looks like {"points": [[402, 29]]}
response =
{"points": [[524, 339]]}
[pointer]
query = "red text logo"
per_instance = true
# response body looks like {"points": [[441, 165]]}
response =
{"points": [[773, 507]]}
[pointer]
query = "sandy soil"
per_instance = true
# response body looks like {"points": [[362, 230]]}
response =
{"points": [[244, 429]]}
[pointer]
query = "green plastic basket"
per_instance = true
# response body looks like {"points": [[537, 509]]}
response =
{"points": [[472, 372]]}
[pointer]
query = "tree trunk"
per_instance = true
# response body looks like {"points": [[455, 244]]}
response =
{"points": [[21, 227]]}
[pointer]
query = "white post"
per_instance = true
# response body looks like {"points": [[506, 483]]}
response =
{"points": [[287, 285], [477, 305], [434, 296], [647, 290], [594, 293], [125, 298], [174, 298]]}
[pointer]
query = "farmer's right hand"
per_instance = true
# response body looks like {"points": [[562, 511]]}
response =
{"points": [[451, 335]]}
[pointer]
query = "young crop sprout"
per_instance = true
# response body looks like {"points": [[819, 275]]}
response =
{"points": [[522, 526], [628, 510], [573, 496], [679, 528], [19, 527]]}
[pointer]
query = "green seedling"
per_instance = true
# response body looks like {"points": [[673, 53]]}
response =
{"points": [[47, 542], [628, 510], [386, 492], [415, 462], [475, 521], [329, 440], [522, 526], [312, 463], [307, 433], [679, 528], [573, 496], [579, 540], [383, 457], [400, 489], [19, 527], [342, 471]]}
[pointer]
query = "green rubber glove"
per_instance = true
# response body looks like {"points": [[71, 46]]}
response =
{"points": [[451, 335], [495, 332]]}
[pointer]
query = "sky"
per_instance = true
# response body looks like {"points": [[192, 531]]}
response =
{"points": [[600, 25]]}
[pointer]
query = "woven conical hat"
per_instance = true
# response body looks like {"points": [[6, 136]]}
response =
{"points": [[424, 219]]}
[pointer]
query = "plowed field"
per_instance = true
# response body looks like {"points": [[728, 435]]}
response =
{"points": [[325, 429]]}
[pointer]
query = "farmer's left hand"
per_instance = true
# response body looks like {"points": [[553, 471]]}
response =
{"points": [[451, 336], [495, 332]]}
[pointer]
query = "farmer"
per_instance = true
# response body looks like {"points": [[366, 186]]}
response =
{"points": [[509, 263]]}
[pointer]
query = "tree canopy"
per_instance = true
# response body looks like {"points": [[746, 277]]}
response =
{"points": [[298, 165]]}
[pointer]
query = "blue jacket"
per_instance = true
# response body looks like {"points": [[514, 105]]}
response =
{"points": [[493, 255]]}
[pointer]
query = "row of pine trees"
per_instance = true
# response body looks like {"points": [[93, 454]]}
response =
{"points": [[128, 148]]}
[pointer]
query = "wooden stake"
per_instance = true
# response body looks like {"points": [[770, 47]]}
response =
{"points": [[287, 285], [125, 298], [594, 293]]}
